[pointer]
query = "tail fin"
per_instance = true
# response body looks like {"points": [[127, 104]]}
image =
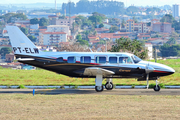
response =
{"points": [[21, 44]]}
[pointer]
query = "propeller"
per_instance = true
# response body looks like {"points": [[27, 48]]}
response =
{"points": [[148, 69]]}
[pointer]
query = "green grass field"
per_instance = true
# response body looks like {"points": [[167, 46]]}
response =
{"points": [[43, 77]]}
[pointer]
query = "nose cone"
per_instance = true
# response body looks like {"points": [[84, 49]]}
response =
{"points": [[162, 68]]}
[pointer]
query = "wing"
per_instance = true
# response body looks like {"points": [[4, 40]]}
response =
{"points": [[93, 71]]}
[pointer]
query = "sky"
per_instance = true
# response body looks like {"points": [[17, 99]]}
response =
{"points": [[126, 2]]}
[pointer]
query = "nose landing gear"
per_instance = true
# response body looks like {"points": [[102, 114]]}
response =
{"points": [[157, 87]]}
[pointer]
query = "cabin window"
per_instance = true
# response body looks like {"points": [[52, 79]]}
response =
{"points": [[71, 59], [112, 60], [85, 59], [125, 60], [100, 59], [60, 59]]}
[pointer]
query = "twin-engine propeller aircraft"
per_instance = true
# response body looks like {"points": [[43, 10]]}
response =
{"points": [[98, 65]]}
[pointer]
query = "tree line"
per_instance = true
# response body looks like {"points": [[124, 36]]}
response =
{"points": [[104, 7]]}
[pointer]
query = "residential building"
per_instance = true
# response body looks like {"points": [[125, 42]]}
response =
{"points": [[52, 38], [142, 28], [65, 22], [176, 10], [59, 28], [102, 30], [5, 33], [54, 20], [34, 30], [162, 27], [130, 25], [10, 57], [93, 38], [143, 37], [157, 41], [154, 21]]}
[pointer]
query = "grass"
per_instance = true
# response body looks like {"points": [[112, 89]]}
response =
{"points": [[98, 107], [43, 77]]}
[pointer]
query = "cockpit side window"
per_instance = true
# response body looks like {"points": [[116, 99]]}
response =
{"points": [[60, 59], [125, 60], [136, 59]]}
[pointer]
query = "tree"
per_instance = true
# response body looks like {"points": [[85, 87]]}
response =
{"points": [[21, 16], [87, 32], [32, 38], [24, 30], [123, 23], [169, 50], [171, 41], [113, 29], [135, 20], [167, 18], [101, 25], [148, 24], [8, 17], [4, 51], [126, 45], [174, 35], [96, 18], [78, 37], [34, 21], [43, 22], [83, 42], [132, 9], [153, 9]]}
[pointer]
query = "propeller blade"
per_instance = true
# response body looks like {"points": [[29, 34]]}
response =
{"points": [[147, 79]]}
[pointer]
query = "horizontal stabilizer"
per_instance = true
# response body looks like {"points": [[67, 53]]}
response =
{"points": [[25, 59]]}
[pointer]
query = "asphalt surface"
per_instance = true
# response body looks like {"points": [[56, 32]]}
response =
{"points": [[92, 91]]}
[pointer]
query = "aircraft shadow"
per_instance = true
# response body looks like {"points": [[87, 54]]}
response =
{"points": [[92, 91]]}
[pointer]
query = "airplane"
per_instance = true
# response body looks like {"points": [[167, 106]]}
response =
{"points": [[98, 65]]}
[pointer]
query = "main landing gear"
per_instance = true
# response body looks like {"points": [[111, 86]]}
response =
{"points": [[109, 84], [99, 87]]}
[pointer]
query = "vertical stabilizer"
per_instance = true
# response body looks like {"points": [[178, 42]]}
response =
{"points": [[21, 44]]}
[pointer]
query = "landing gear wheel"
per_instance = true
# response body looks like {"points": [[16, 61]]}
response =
{"points": [[109, 85], [157, 88], [99, 88]]}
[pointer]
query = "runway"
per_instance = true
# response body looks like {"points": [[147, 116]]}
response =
{"points": [[92, 91]]}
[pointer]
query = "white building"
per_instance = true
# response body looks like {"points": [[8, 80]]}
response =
{"points": [[52, 38], [59, 28], [176, 10], [149, 47], [64, 22]]}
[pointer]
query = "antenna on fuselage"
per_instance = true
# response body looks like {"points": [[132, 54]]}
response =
{"points": [[90, 49]]}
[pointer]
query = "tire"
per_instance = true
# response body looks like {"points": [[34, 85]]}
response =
{"points": [[109, 85], [99, 88], [157, 88]]}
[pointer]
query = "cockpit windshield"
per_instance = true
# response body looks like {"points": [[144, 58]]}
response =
{"points": [[136, 59]]}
